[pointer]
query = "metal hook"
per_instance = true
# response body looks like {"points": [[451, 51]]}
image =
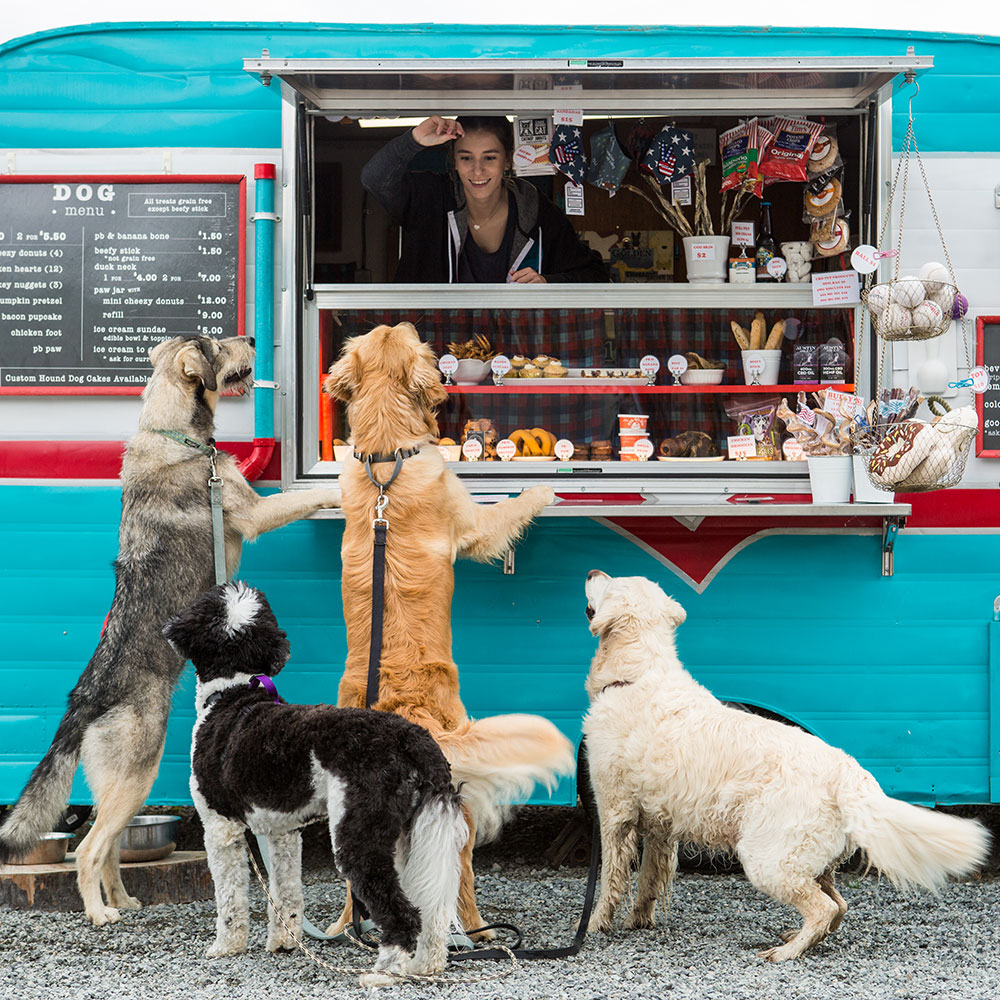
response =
{"points": [[911, 77]]}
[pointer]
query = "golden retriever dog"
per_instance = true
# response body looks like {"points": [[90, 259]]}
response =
{"points": [[669, 763], [390, 382]]}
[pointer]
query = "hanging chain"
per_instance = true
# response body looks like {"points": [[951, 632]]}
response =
{"points": [[355, 970]]}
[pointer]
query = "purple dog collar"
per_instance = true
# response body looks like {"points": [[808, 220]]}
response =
{"points": [[262, 680]]}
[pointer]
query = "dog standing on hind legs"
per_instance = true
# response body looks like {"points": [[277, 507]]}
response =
{"points": [[117, 715], [392, 389]]}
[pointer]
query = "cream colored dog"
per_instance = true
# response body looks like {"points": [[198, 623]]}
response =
{"points": [[670, 763]]}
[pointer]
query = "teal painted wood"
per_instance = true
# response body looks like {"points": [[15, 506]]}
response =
{"points": [[993, 749], [182, 84], [897, 671]]}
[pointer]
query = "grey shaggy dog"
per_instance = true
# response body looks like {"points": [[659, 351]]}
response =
{"points": [[117, 716]]}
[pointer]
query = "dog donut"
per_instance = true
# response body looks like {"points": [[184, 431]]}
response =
{"points": [[823, 155], [900, 453], [824, 202], [837, 242]]}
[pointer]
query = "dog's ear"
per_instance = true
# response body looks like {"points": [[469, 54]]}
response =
{"points": [[345, 375], [425, 379], [675, 614], [195, 363], [157, 354]]}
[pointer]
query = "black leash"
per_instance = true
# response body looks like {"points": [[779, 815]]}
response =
{"points": [[381, 526]]}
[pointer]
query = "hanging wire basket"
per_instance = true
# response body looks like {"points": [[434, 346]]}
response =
{"points": [[906, 455], [911, 308], [916, 456]]}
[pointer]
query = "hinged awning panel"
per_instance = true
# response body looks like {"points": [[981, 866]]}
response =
{"points": [[599, 86]]}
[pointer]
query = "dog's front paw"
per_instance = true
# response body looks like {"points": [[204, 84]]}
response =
{"points": [[325, 498], [541, 496], [639, 922], [372, 979], [601, 924], [281, 940]]}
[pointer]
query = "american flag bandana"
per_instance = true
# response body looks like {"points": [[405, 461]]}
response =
{"points": [[566, 152], [670, 155]]}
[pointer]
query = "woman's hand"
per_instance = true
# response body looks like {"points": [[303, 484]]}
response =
{"points": [[527, 276], [436, 131]]}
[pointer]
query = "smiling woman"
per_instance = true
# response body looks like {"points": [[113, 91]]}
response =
{"points": [[476, 223]]}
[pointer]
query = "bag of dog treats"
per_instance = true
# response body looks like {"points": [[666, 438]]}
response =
{"points": [[759, 417], [787, 157]]}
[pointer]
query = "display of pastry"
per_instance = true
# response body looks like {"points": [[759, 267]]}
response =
{"points": [[697, 362], [534, 443], [600, 451], [530, 370], [554, 370], [490, 437], [581, 451]]}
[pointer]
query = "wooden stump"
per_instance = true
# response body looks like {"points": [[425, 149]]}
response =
{"points": [[181, 877]]}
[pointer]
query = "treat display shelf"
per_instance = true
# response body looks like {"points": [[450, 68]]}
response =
{"points": [[527, 387]]}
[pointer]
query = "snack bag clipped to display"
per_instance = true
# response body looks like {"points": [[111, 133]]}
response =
{"points": [[787, 157], [740, 150], [823, 202], [759, 417], [825, 154]]}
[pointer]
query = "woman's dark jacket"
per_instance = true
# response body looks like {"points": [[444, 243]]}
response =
{"points": [[431, 209]]}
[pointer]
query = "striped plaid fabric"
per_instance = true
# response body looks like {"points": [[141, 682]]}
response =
{"points": [[597, 338]]}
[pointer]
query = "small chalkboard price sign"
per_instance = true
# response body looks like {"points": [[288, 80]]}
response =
{"points": [[988, 403], [96, 271]]}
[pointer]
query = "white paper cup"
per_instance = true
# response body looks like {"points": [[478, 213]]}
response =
{"points": [[772, 366], [830, 478]]}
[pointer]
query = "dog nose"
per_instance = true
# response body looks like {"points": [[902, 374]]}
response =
{"points": [[250, 341]]}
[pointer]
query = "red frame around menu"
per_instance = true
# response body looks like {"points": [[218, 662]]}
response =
{"points": [[237, 179], [981, 322]]}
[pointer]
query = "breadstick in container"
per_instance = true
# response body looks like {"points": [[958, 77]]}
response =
{"points": [[742, 337], [775, 337], [757, 329]]}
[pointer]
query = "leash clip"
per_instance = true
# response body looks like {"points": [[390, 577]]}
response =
{"points": [[380, 504]]}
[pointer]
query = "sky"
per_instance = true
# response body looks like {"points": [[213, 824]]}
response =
{"points": [[959, 16]]}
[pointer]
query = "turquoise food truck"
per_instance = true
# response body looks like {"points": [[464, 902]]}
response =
{"points": [[869, 624]]}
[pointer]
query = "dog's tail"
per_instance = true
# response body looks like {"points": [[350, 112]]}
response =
{"points": [[46, 792], [498, 760], [432, 870], [909, 844]]}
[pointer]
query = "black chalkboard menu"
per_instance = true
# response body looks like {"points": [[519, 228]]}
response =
{"points": [[96, 271], [988, 403]]}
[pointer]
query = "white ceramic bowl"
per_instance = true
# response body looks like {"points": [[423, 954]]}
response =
{"points": [[470, 371], [703, 376]]}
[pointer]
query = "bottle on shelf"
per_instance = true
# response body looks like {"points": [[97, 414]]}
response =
{"points": [[766, 247]]}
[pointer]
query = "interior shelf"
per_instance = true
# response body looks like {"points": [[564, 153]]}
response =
{"points": [[640, 389]]}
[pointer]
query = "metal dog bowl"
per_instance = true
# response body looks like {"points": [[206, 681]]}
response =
{"points": [[148, 838], [50, 850]]}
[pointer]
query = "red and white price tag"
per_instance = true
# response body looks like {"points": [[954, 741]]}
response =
{"points": [[703, 251], [572, 116], [742, 234], [841, 404], [500, 365], [865, 259], [793, 450], [524, 155], [754, 366], [473, 449], [643, 449], [506, 449], [649, 365], [980, 379], [742, 446], [448, 364], [677, 364], [776, 267], [564, 449]]}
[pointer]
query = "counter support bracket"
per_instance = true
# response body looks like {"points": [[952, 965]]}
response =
{"points": [[890, 529]]}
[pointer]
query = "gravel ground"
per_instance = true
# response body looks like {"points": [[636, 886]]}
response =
{"points": [[889, 946]]}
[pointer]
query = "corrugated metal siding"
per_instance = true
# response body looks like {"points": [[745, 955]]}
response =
{"points": [[894, 670], [99, 86]]}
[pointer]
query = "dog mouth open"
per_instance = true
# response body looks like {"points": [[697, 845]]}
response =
{"points": [[238, 381]]}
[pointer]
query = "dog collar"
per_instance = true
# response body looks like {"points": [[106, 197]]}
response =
{"points": [[397, 456], [615, 684], [262, 680], [190, 442]]}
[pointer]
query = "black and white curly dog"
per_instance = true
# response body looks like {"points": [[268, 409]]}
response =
{"points": [[395, 821]]}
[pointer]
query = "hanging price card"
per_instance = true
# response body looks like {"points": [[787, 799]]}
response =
{"points": [[980, 379]]}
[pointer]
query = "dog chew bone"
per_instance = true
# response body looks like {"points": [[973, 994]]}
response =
{"points": [[757, 332], [775, 337], [742, 337]]}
